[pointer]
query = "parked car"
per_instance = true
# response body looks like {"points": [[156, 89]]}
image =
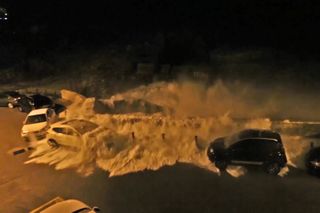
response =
{"points": [[41, 101], [37, 123], [10, 99], [24, 103], [69, 133], [312, 161], [249, 147], [59, 205], [36, 101]]}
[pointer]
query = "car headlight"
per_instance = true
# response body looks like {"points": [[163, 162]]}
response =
{"points": [[315, 163], [24, 132]]}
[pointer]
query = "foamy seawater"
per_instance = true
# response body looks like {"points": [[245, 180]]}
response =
{"points": [[191, 118]]}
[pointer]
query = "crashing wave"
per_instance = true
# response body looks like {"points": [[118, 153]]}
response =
{"points": [[148, 141]]}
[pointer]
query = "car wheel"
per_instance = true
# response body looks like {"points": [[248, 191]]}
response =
{"points": [[221, 165], [52, 143], [272, 168], [10, 105]]}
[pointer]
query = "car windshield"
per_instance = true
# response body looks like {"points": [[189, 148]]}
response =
{"points": [[36, 119]]}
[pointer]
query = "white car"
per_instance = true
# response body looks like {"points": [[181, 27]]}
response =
{"points": [[70, 133], [37, 123], [59, 205]]}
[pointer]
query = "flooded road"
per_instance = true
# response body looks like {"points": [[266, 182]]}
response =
{"points": [[178, 188]]}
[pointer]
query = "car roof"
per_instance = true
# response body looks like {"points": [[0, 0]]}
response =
{"points": [[249, 134], [255, 133], [38, 111], [61, 125], [258, 139], [66, 206], [81, 126]]}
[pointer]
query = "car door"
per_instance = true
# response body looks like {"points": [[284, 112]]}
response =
{"points": [[256, 151], [239, 152], [260, 150], [74, 138], [268, 149], [67, 136], [249, 151]]}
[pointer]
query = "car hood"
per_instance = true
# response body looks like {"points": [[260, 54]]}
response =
{"points": [[34, 127]]}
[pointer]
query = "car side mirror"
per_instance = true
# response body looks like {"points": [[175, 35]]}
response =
{"points": [[96, 209]]}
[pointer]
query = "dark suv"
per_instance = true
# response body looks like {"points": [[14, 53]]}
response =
{"points": [[249, 147]]}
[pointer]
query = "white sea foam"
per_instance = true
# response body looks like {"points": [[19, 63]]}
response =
{"points": [[192, 117]]}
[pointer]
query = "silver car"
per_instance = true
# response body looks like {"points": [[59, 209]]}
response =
{"points": [[59, 205]]}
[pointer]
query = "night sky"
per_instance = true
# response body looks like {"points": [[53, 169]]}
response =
{"points": [[285, 24]]}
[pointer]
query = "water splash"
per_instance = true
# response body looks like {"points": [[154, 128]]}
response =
{"points": [[133, 142]]}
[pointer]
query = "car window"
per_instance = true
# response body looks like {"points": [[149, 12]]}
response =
{"points": [[36, 119], [241, 145], [65, 131], [269, 145], [70, 132], [259, 145], [59, 130], [272, 135]]}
